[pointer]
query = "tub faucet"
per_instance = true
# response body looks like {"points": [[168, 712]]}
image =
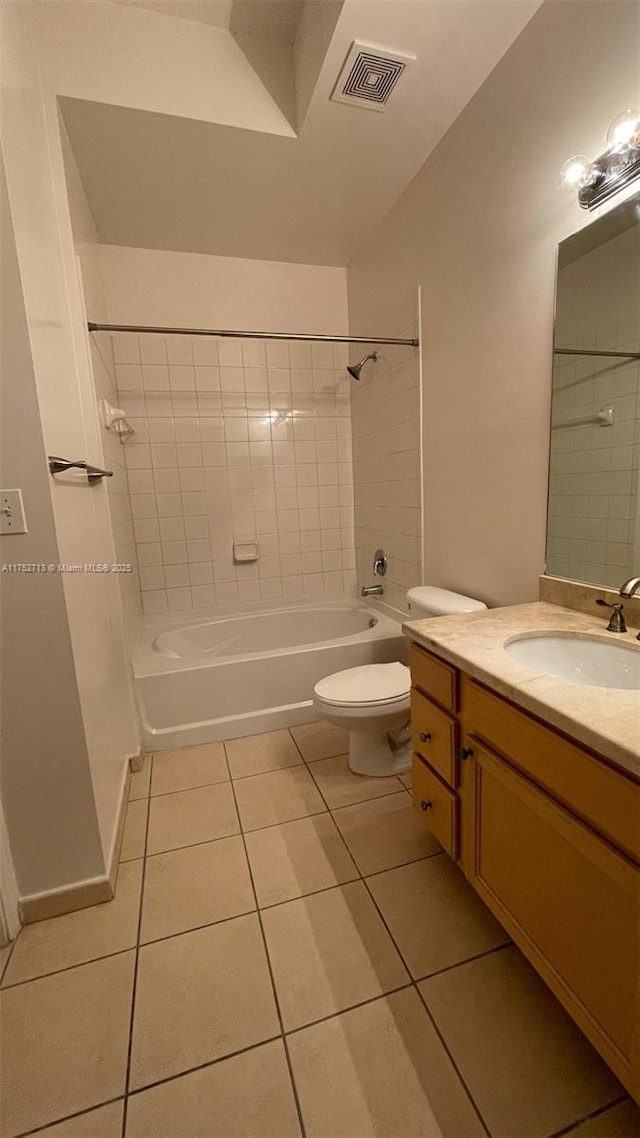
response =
{"points": [[372, 591], [630, 587]]}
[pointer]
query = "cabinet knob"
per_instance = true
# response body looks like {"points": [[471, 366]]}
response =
{"points": [[425, 805], [424, 736], [465, 753]]}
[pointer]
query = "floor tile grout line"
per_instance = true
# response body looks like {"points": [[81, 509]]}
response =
{"points": [[462, 963], [350, 1008], [69, 1117], [414, 984], [331, 816], [270, 770], [294, 1088], [136, 966], [69, 967], [200, 1067], [186, 789], [359, 802], [452, 1060], [341, 884], [258, 829], [3, 971], [380, 798], [247, 913], [193, 845], [274, 1038], [565, 1131]]}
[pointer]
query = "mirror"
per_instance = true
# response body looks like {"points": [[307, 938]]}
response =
{"points": [[593, 520]]}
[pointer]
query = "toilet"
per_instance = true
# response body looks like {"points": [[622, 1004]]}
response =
{"points": [[372, 702]]}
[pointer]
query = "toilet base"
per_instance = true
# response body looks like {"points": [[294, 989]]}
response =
{"points": [[371, 753]]}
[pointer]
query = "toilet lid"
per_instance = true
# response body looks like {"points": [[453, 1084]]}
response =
{"points": [[370, 684]]}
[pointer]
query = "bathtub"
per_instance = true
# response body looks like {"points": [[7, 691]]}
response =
{"points": [[207, 680]]}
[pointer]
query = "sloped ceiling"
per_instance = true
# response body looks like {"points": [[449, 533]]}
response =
{"points": [[167, 182], [214, 12]]}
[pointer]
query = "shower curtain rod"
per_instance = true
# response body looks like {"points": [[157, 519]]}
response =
{"points": [[593, 352], [414, 343]]}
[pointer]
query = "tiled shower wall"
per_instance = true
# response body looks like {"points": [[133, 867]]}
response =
{"points": [[595, 470], [385, 412], [237, 441], [117, 487]]}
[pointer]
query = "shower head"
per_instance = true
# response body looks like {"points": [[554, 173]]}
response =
{"points": [[355, 369]]}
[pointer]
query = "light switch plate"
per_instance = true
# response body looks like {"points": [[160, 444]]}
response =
{"points": [[12, 519]]}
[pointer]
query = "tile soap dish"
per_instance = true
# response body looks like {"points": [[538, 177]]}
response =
{"points": [[245, 551]]}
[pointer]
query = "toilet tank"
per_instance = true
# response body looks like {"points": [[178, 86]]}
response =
{"points": [[426, 601]]}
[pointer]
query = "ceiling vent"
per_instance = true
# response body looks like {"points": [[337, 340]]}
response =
{"points": [[369, 76]]}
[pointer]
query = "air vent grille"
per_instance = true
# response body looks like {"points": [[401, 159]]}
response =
{"points": [[369, 76], [373, 77]]}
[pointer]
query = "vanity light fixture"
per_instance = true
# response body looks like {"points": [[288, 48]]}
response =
{"points": [[597, 181]]}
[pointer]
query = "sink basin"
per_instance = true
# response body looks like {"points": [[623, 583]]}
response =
{"points": [[579, 659]]}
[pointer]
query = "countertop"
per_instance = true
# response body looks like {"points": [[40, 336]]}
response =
{"points": [[604, 719]]}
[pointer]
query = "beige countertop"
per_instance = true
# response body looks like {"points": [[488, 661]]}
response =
{"points": [[605, 719]]}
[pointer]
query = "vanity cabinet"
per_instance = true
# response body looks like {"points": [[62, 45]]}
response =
{"points": [[548, 833]]}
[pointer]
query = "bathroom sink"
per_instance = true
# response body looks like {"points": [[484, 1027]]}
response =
{"points": [[579, 659]]}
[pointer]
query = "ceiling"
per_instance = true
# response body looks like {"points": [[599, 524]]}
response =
{"points": [[167, 182], [276, 18], [214, 12]]}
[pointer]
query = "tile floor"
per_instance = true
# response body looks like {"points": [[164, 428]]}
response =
{"points": [[288, 953]]}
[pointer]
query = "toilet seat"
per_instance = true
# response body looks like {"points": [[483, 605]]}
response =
{"points": [[371, 685]]}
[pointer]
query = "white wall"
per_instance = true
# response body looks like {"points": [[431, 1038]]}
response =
{"points": [[67, 406], [385, 417], [235, 439], [45, 780], [149, 286], [478, 228], [87, 248]]}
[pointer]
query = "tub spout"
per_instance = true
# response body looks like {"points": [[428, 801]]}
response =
{"points": [[372, 591]]}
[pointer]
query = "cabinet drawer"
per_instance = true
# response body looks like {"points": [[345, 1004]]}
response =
{"points": [[607, 799], [434, 736], [434, 677], [437, 805], [569, 900]]}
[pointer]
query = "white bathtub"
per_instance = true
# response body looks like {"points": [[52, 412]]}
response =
{"points": [[202, 681]]}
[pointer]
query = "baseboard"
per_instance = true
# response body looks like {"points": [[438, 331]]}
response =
{"points": [[81, 894], [114, 860], [136, 762], [55, 902]]}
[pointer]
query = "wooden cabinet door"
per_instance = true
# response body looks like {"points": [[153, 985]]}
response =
{"points": [[570, 901]]}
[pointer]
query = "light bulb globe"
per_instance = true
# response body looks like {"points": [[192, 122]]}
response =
{"points": [[624, 132], [573, 172]]}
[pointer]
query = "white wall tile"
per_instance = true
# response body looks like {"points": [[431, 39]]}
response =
{"points": [[243, 444]]}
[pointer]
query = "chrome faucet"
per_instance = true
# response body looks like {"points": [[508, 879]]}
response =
{"points": [[379, 570], [630, 587]]}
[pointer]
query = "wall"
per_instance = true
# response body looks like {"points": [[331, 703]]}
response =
{"points": [[150, 286], [593, 485], [244, 439], [88, 253], [385, 413], [45, 781], [478, 228], [67, 406]]}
